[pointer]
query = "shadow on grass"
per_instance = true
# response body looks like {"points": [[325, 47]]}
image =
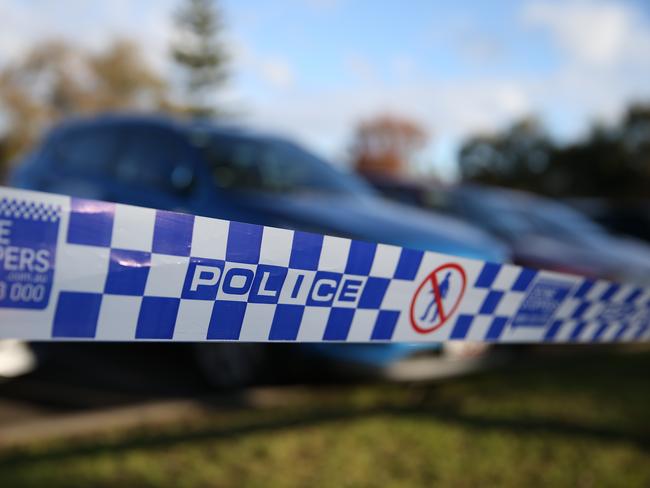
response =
{"points": [[321, 417], [521, 427], [597, 376]]}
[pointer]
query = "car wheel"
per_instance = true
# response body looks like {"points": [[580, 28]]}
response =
{"points": [[230, 365]]}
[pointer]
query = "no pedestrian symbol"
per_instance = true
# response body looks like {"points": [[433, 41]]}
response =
{"points": [[437, 297]]}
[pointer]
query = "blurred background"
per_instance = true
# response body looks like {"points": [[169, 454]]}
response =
{"points": [[513, 131], [567, 79]]}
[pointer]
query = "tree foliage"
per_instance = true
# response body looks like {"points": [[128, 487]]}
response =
{"points": [[515, 157], [385, 145], [611, 162], [198, 50], [55, 80]]}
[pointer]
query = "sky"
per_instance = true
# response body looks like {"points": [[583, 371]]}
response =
{"points": [[312, 69]]}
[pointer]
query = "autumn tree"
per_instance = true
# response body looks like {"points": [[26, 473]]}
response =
{"points": [[55, 80], [122, 80], [200, 54], [385, 145], [42, 87]]}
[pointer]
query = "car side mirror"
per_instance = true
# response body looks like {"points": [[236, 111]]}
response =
{"points": [[182, 179]]}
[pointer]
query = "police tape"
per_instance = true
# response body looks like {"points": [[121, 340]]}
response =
{"points": [[76, 269]]}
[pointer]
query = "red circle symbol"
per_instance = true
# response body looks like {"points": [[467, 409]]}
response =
{"points": [[442, 304]]}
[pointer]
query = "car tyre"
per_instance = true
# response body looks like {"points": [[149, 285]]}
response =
{"points": [[228, 366]]}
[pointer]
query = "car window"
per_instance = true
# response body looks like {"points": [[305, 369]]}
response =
{"points": [[87, 150], [500, 215], [561, 222], [150, 157], [274, 166], [514, 216]]}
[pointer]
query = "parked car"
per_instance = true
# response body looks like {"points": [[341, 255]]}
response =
{"points": [[631, 218], [542, 233], [547, 233], [237, 174]]}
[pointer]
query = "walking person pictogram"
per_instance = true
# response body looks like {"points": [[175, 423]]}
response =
{"points": [[444, 289], [437, 298]]}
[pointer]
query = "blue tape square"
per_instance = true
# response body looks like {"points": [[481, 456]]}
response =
{"points": [[580, 310], [611, 290], [584, 288], [360, 258], [226, 320], [244, 243], [76, 314], [642, 330], [408, 264], [599, 333], [338, 324], [577, 330], [202, 279], [324, 289], [157, 318], [286, 322], [172, 233], [91, 222], [491, 301], [127, 272], [385, 325], [523, 280], [373, 293], [461, 328], [631, 298], [496, 329], [552, 331], [487, 275], [620, 332], [305, 250], [237, 281], [267, 284], [351, 288]]}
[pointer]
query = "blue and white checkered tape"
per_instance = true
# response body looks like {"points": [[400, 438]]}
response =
{"points": [[77, 269]]}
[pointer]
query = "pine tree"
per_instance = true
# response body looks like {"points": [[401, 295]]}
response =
{"points": [[200, 53]]}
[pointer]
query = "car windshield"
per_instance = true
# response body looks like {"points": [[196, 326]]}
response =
{"points": [[498, 214], [559, 221], [274, 165], [518, 216]]}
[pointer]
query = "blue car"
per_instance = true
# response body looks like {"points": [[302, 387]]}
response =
{"points": [[236, 174]]}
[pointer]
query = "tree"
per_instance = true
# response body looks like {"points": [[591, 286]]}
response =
{"points": [[124, 81], [611, 161], [56, 80], [38, 89], [200, 53], [515, 157], [386, 145]]}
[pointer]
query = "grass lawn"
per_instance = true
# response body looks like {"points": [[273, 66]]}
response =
{"points": [[567, 421]]}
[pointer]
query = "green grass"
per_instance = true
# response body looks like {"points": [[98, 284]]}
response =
{"points": [[582, 421]]}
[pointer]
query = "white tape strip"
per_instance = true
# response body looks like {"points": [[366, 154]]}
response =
{"points": [[81, 269]]}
